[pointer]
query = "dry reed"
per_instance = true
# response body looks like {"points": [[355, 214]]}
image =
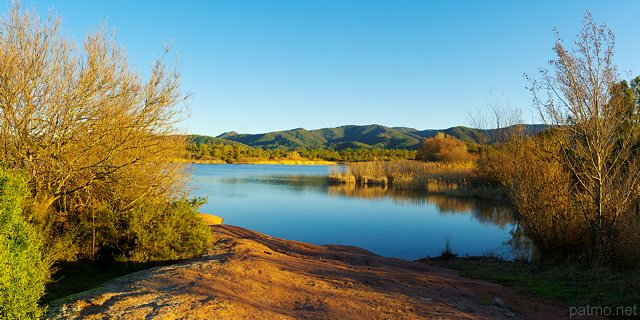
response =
{"points": [[434, 177]]}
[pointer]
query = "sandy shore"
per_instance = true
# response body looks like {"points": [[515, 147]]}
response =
{"points": [[249, 275]]}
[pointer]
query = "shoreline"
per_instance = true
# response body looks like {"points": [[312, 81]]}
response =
{"points": [[247, 274]]}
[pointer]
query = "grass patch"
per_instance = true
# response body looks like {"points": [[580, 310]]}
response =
{"points": [[447, 253], [574, 284]]}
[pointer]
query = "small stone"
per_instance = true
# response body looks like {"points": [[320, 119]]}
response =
{"points": [[497, 302]]}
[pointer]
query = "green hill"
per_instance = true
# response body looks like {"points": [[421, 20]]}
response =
{"points": [[350, 136], [198, 139]]}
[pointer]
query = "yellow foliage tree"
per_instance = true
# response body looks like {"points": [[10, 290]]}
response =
{"points": [[596, 136], [93, 137], [443, 148]]}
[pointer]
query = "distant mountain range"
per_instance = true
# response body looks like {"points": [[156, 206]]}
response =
{"points": [[350, 136]]}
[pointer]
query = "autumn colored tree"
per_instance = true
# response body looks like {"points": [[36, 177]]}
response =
{"points": [[595, 137], [443, 148], [94, 137]]}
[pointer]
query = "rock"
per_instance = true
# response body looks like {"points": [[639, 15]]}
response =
{"points": [[497, 302], [248, 275], [210, 219]]}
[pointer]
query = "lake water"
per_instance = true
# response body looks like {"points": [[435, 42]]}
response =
{"points": [[297, 203]]}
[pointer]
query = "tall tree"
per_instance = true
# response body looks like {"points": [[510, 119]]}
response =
{"points": [[577, 98], [92, 135]]}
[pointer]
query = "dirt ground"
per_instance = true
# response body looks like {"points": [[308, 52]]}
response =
{"points": [[249, 275]]}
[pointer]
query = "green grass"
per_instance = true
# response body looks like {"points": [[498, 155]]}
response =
{"points": [[573, 284]]}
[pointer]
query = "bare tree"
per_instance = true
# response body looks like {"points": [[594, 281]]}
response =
{"points": [[503, 118], [595, 134]]}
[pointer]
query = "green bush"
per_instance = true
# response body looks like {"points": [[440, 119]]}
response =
{"points": [[152, 231], [167, 232], [23, 269]]}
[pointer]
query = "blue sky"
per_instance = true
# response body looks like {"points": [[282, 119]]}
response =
{"points": [[259, 66]]}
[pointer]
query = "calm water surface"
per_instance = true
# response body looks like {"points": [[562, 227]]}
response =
{"points": [[297, 203]]}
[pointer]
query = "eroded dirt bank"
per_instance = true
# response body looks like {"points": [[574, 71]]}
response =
{"points": [[248, 275]]}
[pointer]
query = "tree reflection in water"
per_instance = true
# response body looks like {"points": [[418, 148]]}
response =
{"points": [[485, 211]]}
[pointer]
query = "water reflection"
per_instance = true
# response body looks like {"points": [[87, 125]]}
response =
{"points": [[485, 211], [520, 247], [298, 203], [295, 182]]}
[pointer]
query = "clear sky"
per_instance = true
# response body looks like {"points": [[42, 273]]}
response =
{"points": [[259, 66]]}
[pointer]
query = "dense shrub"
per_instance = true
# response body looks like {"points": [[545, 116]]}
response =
{"points": [[153, 232], [23, 269], [542, 191], [167, 232], [553, 209], [443, 148]]}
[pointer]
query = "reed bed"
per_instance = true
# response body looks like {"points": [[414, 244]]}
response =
{"points": [[434, 177]]}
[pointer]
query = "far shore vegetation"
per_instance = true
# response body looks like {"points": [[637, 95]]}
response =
{"points": [[443, 165], [241, 154]]}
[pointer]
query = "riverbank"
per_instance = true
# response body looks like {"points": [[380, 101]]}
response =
{"points": [[249, 275]]}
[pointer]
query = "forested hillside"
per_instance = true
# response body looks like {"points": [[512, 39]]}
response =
{"points": [[350, 137]]}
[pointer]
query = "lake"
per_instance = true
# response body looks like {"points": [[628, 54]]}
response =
{"points": [[298, 203]]}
